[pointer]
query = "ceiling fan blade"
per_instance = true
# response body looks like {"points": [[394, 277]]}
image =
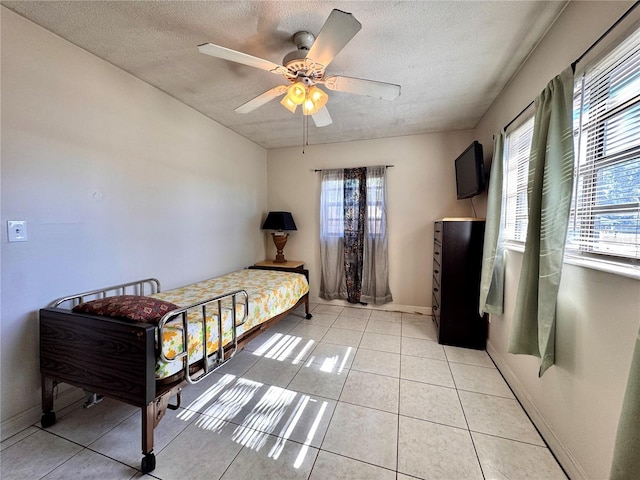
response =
{"points": [[322, 118], [359, 86], [239, 57], [260, 100], [336, 32]]}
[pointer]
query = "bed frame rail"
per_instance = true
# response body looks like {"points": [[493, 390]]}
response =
{"points": [[147, 286], [210, 362]]}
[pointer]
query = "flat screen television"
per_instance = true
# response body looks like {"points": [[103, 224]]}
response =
{"points": [[470, 172]]}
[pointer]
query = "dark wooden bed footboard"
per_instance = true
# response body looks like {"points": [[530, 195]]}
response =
{"points": [[100, 354], [105, 356]]}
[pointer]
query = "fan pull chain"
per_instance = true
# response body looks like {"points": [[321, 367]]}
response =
{"points": [[305, 132]]}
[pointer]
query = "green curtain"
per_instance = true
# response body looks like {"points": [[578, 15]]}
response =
{"points": [[492, 277], [549, 189], [626, 456]]}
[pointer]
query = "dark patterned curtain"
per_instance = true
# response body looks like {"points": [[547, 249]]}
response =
{"points": [[355, 203]]}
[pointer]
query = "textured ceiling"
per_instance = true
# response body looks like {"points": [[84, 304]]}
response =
{"points": [[452, 58]]}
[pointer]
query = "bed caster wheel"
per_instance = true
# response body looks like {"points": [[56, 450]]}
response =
{"points": [[148, 463], [308, 316], [48, 419]]}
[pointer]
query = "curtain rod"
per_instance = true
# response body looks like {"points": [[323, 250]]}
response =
{"points": [[518, 116], [586, 52], [593, 45], [320, 169]]}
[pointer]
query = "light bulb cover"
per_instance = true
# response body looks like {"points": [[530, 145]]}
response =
{"points": [[288, 104], [297, 93], [308, 108], [318, 97]]}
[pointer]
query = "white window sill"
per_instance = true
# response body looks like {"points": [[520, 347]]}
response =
{"points": [[615, 268]]}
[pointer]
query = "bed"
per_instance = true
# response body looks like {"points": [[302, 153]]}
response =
{"points": [[134, 343]]}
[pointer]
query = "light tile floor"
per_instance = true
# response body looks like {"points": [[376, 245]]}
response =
{"points": [[350, 394]]}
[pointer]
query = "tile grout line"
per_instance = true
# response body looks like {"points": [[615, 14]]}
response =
{"points": [[399, 403], [528, 416], [324, 436], [473, 444]]}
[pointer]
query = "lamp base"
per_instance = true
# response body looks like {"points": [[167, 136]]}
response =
{"points": [[280, 241]]}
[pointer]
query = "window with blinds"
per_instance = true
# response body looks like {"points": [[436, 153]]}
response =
{"points": [[517, 147], [332, 204], [605, 213]]}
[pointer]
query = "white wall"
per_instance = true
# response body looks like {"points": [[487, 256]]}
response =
{"points": [[117, 181], [420, 189], [577, 403]]}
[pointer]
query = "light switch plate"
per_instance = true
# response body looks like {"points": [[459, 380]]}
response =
{"points": [[17, 230]]}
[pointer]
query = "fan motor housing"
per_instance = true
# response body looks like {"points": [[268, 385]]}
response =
{"points": [[300, 67], [294, 57], [303, 42]]}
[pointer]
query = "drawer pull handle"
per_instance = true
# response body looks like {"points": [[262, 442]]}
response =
{"points": [[435, 289], [436, 271], [436, 253], [435, 307]]}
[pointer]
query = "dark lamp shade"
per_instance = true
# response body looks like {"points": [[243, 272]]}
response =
{"points": [[279, 221]]}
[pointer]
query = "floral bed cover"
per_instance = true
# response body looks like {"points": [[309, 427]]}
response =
{"points": [[270, 293]]}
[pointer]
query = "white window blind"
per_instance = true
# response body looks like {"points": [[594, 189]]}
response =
{"points": [[516, 157], [605, 213]]}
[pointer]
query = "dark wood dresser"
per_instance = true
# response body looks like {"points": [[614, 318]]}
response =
{"points": [[457, 261]]}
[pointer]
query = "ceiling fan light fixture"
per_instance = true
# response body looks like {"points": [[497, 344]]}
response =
{"points": [[305, 67]]}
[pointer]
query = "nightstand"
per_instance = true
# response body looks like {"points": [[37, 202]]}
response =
{"points": [[288, 264]]}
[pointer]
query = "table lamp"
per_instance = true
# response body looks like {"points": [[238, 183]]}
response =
{"points": [[279, 221]]}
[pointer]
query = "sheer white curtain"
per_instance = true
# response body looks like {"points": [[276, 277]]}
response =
{"points": [[375, 270], [332, 282]]}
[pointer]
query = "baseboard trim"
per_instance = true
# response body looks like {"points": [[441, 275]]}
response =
{"points": [[23, 420], [565, 458], [388, 307]]}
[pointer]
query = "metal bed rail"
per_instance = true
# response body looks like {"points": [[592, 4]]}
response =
{"points": [[209, 362], [147, 286]]}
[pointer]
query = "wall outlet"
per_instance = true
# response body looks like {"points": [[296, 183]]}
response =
{"points": [[17, 230]]}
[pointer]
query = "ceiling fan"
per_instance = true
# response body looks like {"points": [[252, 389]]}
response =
{"points": [[304, 69]]}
